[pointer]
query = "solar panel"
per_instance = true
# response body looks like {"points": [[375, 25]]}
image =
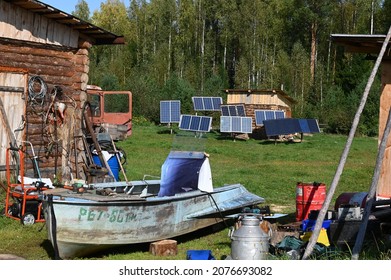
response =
{"points": [[309, 126], [202, 103], [208, 104], [217, 101], [170, 111], [195, 123], [236, 124], [290, 126], [259, 117], [224, 110], [280, 114], [262, 115], [240, 110], [233, 110]]}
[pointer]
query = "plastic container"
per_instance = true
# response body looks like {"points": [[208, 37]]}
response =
{"points": [[199, 255], [309, 196], [113, 164], [308, 225]]}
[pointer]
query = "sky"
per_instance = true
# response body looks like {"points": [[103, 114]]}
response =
{"points": [[68, 6]]}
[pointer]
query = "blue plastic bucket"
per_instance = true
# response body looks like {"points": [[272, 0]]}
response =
{"points": [[113, 164]]}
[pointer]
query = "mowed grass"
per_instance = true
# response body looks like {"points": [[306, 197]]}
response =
{"points": [[267, 168]]}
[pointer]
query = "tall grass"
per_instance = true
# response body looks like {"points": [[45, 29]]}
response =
{"points": [[269, 169]]}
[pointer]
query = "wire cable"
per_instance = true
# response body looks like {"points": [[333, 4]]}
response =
{"points": [[37, 89]]}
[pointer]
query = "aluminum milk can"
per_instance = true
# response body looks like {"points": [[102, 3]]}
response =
{"points": [[249, 242]]}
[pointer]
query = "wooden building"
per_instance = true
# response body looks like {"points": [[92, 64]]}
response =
{"points": [[261, 99], [44, 70], [371, 44]]}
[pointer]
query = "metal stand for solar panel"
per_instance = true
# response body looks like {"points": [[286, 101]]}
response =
{"points": [[169, 126]]}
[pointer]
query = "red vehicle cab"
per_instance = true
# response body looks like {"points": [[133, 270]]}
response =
{"points": [[111, 110]]}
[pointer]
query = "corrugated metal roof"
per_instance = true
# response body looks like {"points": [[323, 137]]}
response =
{"points": [[97, 35], [361, 43]]}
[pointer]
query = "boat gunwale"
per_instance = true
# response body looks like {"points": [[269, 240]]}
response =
{"points": [[148, 200]]}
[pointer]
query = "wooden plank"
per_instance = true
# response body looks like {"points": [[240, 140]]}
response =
{"points": [[384, 187], [21, 24], [11, 89], [7, 124]]}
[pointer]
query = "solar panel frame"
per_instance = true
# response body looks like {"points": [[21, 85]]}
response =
{"points": [[207, 103], [233, 110], [235, 124], [288, 126], [278, 127], [170, 111], [262, 115], [195, 123]]}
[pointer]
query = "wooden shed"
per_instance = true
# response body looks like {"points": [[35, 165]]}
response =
{"points": [[261, 99], [44, 69], [371, 44]]}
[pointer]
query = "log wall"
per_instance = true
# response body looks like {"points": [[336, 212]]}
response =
{"points": [[65, 69]]}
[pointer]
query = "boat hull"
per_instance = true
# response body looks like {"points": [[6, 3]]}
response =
{"points": [[79, 227]]}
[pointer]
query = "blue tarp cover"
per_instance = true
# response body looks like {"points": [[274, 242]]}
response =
{"points": [[180, 172]]}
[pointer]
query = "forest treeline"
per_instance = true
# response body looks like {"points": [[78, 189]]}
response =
{"points": [[176, 49]]}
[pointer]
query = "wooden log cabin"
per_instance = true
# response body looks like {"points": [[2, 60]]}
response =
{"points": [[261, 99], [44, 71], [372, 44]]}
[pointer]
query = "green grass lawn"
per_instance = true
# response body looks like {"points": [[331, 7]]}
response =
{"points": [[268, 169]]}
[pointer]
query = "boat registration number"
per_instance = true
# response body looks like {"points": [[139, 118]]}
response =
{"points": [[113, 216]]}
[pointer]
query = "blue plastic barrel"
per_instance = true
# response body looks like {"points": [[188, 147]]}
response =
{"points": [[113, 164]]}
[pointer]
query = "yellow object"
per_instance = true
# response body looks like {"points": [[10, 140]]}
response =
{"points": [[322, 238]]}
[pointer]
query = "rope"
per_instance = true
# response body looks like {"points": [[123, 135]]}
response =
{"points": [[37, 89]]}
